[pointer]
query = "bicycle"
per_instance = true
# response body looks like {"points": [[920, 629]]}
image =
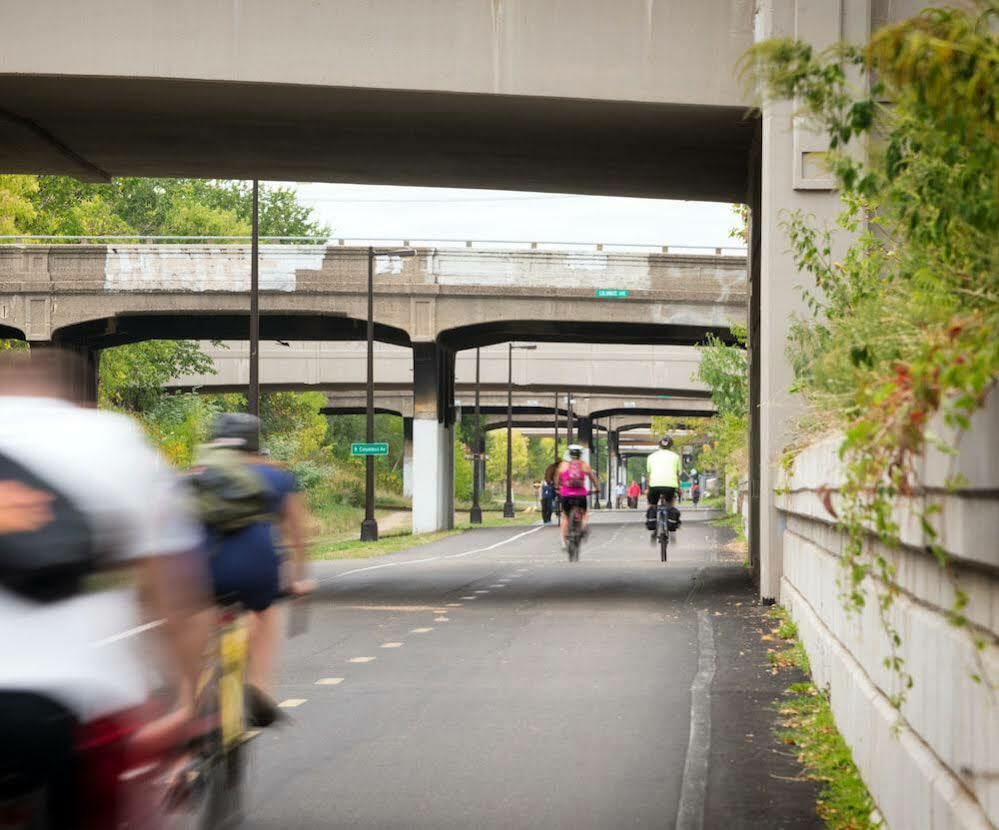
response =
{"points": [[662, 527], [574, 536], [213, 783]]}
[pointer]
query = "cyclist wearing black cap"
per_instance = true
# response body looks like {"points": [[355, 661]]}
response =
{"points": [[246, 561]]}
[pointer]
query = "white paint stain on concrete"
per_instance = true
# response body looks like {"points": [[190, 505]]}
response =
{"points": [[388, 265], [207, 268], [538, 270]]}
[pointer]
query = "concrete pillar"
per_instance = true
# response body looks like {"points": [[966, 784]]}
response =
{"points": [[584, 436], [791, 178], [433, 438], [407, 456]]}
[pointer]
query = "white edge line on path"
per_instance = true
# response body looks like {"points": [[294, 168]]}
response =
{"points": [[693, 789], [140, 628], [493, 546]]}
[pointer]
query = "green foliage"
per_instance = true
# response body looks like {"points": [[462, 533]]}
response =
{"points": [[807, 724], [725, 371], [132, 377], [903, 327], [540, 453], [462, 470], [291, 424], [150, 207], [496, 450], [17, 209]]}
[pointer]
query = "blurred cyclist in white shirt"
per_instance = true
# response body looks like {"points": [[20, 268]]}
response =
{"points": [[72, 663]]}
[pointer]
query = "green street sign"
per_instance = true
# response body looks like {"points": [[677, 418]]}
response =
{"points": [[612, 293], [369, 449]]}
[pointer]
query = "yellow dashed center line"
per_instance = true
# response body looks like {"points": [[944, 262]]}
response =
{"points": [[361, 659], [391, 645], [291, 702], [329, 681], [419, 630]]}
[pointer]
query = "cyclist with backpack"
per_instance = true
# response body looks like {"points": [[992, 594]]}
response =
{"points": [[251, 508], [85, 498], [663, 467], [573, 476]]}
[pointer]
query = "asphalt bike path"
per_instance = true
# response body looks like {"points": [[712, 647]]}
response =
{"points": [[484, 681]]}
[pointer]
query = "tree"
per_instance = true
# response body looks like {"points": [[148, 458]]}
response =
{"points": [[725, 371], [462, 470], [181, 207], [132, 377], [496, 450], [17, 209]]}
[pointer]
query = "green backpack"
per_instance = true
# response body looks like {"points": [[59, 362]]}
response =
{"points": [[228, 493]]}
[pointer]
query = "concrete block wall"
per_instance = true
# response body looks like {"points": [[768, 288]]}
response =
{"points": [[935, 765]]}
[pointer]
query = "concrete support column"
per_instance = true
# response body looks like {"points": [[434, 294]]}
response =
{"points": [[789, 179], [433, 438], [407, 456]]}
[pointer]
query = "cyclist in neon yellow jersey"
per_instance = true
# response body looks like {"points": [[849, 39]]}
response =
{"points": [[663, 469]]}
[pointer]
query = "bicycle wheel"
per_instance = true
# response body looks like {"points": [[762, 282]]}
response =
{"points": [[663, 544]]}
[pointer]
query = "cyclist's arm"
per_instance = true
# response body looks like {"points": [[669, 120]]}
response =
{"points": [[294, 515], [593, 476]]}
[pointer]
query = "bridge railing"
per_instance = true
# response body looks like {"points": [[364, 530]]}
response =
{"points": [[477, 244]]}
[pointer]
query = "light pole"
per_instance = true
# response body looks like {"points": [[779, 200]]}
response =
{"points": [[253, 393], [508, 504], [475, 515], [610, 439], [369, 527], [595, 461], [556, 428]]}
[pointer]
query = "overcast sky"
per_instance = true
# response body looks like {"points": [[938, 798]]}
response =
{"points": [[425, 213]]}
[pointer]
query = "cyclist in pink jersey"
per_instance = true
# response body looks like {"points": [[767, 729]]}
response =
{"points": [[573, 477]]}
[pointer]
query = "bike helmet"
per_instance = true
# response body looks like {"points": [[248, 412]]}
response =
{"points": [[237, 429], [575, 451], [666, 442]]}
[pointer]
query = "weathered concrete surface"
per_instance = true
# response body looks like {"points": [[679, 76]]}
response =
{"points": [[550, 366], [620, 409], [941, 770], [99, 294], [464, 92]]}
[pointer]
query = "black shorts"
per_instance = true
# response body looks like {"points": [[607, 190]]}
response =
{"points": [[655, 492], [568, 502]]}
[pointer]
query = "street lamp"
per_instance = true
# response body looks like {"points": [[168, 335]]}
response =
{"points": [[508, 504], [369, 527], [475, 515], [253, 392]]}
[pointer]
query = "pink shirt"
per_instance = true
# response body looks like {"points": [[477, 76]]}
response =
{"points": [[563, 480]]}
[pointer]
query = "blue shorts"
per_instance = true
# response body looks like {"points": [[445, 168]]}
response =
{"points": [[246, 568]]}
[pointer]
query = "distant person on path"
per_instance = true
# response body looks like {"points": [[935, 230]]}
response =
{"points": [[619, 494], [695, 493], [549, 492], [634, 491]]}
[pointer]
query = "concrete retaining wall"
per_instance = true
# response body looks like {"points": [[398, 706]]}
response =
{"points": [[941, 768]]}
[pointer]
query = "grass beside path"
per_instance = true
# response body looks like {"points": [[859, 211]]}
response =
{"points": [[807, 725], [395, 542]]}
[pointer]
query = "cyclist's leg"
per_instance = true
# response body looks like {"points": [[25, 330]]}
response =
{"points": [[564, 523]]}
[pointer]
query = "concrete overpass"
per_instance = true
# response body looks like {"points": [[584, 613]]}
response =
{"points": [[649, 369], [638, 97], [96, 296]]}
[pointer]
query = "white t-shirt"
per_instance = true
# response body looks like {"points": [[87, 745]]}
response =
{"points": [[75, 650]]}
